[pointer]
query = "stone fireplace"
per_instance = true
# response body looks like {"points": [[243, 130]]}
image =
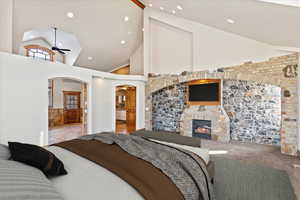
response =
{"points": [[219, 121], [201, 128], [259, 103]]}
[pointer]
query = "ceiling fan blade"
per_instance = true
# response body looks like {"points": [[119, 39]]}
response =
{"points": [[55, 48], [65, 49], [61, 51]]}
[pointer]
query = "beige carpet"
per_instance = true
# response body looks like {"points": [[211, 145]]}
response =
{"points": [[265, 155]]}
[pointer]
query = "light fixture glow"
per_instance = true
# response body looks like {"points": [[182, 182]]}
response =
{"points": [[230, 21], [217, 152], [70, 15], [150, 4], [90, 58], [174, 12], [162, 8], [179, 7], [126, 19], [123, 42], [294, 3]]}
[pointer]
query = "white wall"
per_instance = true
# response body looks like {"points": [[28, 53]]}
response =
{"points": [[137, 61], [6, 30], [104, 118], [171, 48], [24, 97], [212, 48]]}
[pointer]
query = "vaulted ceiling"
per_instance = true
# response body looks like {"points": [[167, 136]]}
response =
{"points": [[99, 25], [276, 24]]}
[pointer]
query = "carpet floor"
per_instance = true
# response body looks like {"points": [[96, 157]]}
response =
{"points": [[235, 180]]}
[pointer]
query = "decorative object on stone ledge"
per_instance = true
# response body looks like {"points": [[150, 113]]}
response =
{"points": [[290, 120], [290, 71], [184, 73], [287, 93], [201, 108]]}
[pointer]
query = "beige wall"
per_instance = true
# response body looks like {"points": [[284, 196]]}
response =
{"points": [[298, 89], [137, 61], [6, 30]]}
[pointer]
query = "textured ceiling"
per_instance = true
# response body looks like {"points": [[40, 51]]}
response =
{"points": [[266, 22], [98, 24]]}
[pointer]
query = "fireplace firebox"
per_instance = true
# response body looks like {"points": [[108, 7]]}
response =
{"points": [[202, 129]]}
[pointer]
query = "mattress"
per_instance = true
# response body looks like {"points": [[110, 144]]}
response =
{"points": [[87, 180]]}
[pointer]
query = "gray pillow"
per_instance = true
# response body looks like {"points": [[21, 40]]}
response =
{"points": [[22, 182], [4, 152], [169, 137]]}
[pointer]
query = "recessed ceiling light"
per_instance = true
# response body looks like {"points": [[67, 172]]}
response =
{"points": [[123, 42], [174, 12], [143, 29], [70, 15], [126, 19], [150, 5], [162, 8], [230, 21], [179, 7], [90, 58]]}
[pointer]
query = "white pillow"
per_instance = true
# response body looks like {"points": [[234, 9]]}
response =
{"points": [[203, 153], [4, 152]]}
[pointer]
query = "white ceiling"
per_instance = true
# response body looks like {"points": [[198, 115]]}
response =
{"points": [[271, 23], [98, 24]]}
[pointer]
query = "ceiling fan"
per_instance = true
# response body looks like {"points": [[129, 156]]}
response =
{"points": [[55, 48]]}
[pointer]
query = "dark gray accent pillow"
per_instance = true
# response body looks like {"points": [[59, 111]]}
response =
{"points": [[37, 157], [4, 152], [169, 137]]}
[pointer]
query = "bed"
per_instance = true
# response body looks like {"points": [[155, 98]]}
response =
{"points": [[89, 179]]}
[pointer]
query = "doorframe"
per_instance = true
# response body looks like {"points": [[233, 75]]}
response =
{"points": [[137, 114], [44, 136]]}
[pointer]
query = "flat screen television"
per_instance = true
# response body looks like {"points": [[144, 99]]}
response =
{"points": [[206, 92]]}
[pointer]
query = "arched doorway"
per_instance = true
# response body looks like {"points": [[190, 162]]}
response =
{"points": [[67, 109], [125, 109]]}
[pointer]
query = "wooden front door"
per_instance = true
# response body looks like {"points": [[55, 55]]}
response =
{"points": [[72, 111], [130, 105]]}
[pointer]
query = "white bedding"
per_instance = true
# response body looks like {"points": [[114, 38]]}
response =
{"points": [[89, 181]]}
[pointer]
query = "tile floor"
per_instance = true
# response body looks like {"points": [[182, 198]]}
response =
{"points": [[64, 133]]}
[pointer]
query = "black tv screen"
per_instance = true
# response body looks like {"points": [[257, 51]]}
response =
{"points": [[204, 92]]}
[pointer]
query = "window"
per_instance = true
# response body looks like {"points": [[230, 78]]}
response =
{"points": [[38, 52]]}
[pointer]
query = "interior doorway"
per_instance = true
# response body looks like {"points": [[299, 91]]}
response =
{"points": [[125, 109], [67, 109]]}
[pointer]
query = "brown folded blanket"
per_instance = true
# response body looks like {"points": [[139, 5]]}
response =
{"points": [[148, 180]]}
